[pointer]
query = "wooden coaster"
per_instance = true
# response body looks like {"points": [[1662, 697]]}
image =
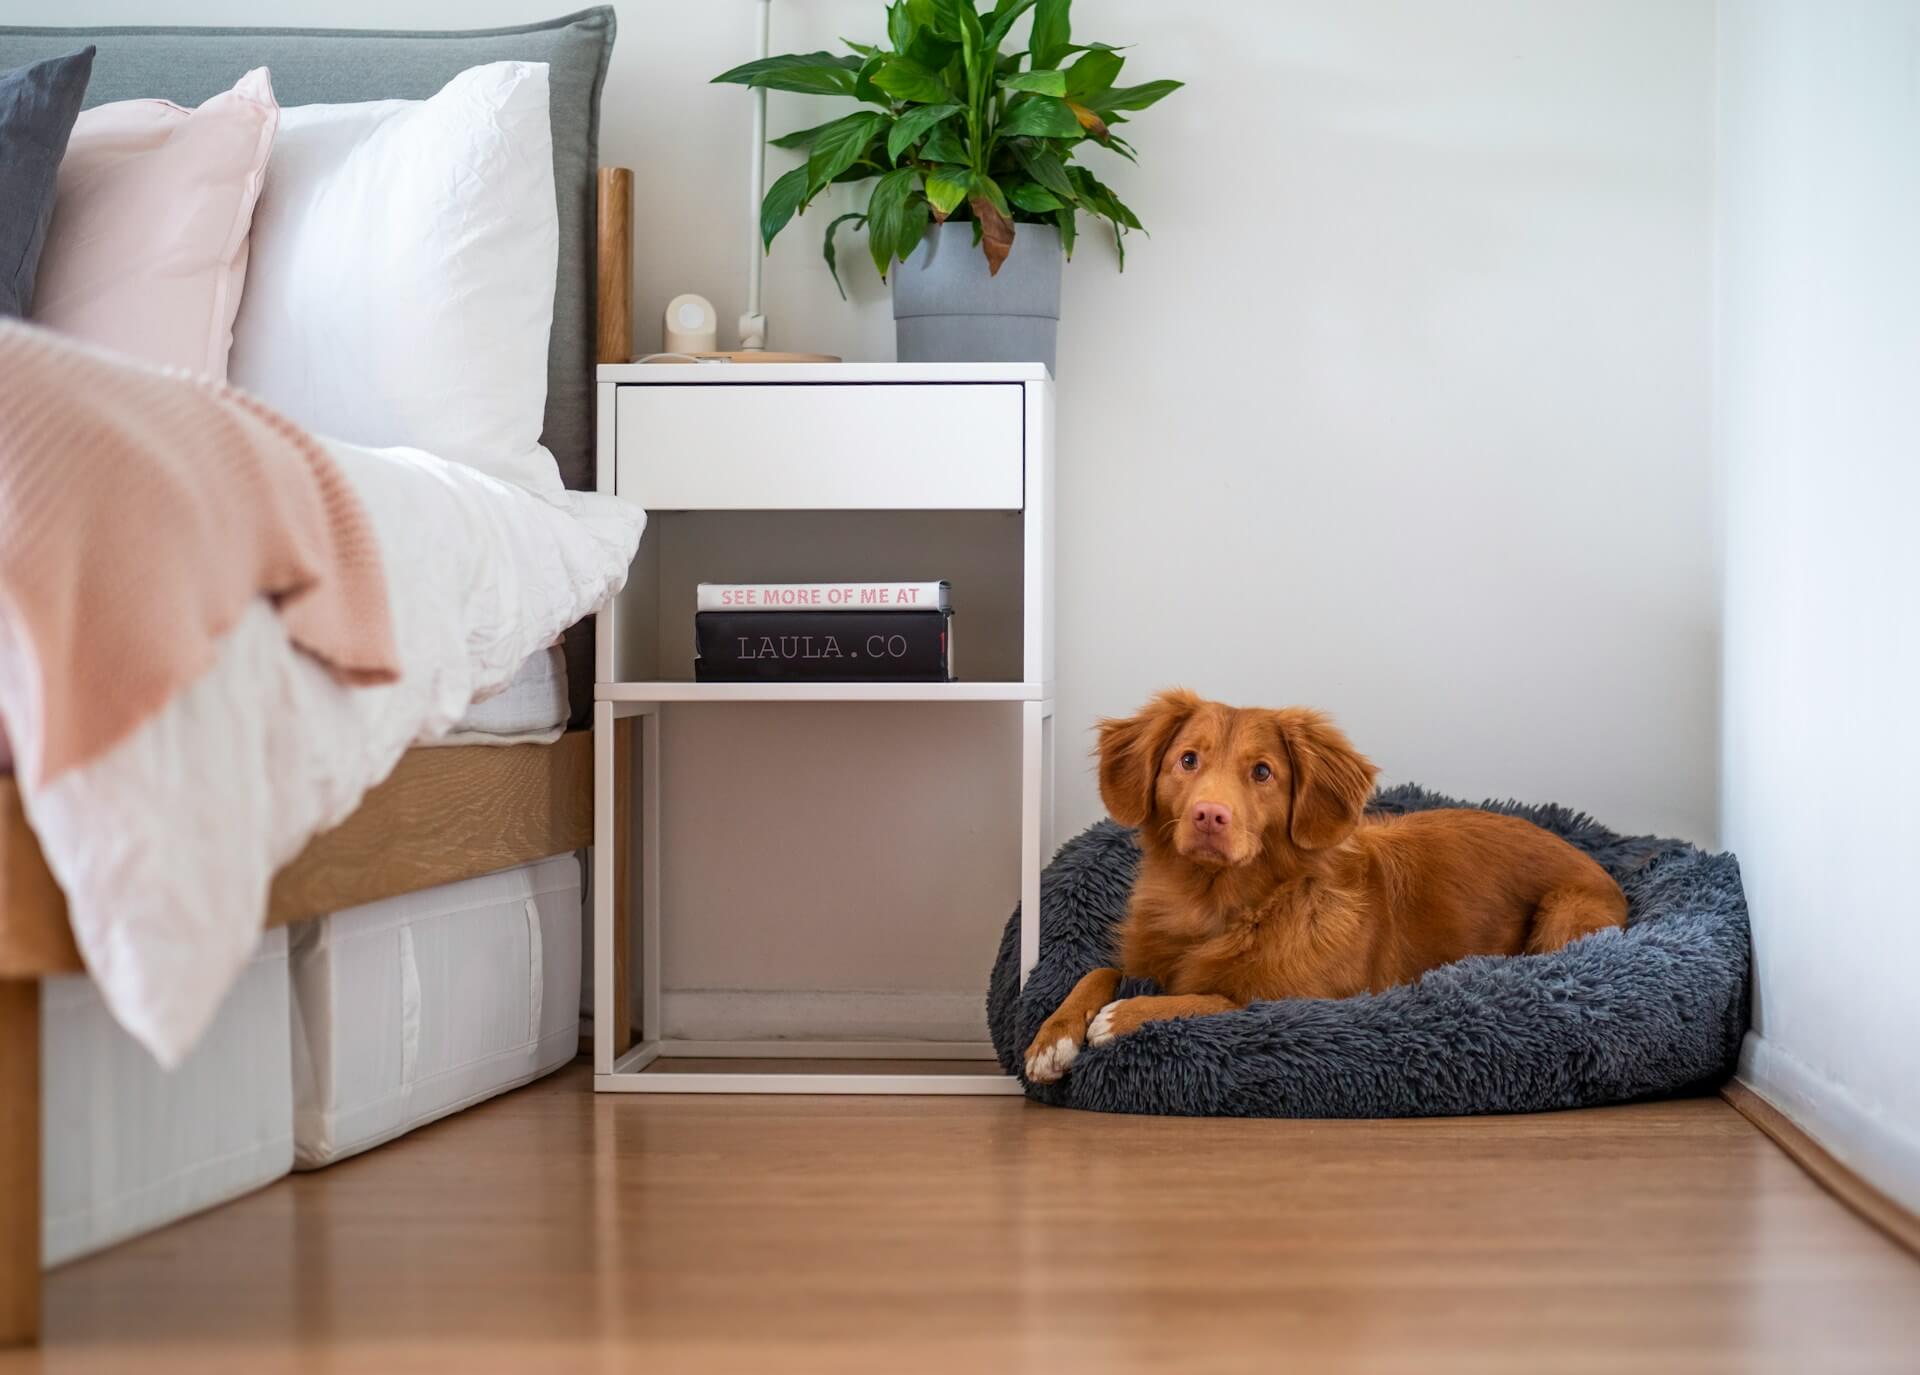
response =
{"points": [[740, 356]]}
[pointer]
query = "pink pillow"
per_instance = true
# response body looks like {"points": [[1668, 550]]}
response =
{"points": [[147, 251]]}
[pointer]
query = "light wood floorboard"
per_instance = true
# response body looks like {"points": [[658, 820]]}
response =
{"points": [[555, 1230]]}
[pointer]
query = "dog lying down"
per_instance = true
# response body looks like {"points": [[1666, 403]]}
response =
{"points": [[1262, 877]]}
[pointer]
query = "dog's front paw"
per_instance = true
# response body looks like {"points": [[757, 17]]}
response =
{"points": [[1114, 1020], [1050, 1056]]}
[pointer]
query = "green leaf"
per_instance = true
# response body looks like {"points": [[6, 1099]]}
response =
{"points": [[944, 145], [826, 250], [1104, 203], [1122, 214], [1040, 116], [838, 146], [973, 46], [819, 73], [1101, 200], [1051, 32], [900, 27], [1135, 97], [863, 87], [1004, 13], [908, 128], [864, 49], [802, 138], [1092, 74], [932, 51], [1034, 198], [913, 227], [947, 188], [1045, 167], [905, 79], [884, 212], [925, 14], [1065, 220], [1052, 83], [783, 198]]}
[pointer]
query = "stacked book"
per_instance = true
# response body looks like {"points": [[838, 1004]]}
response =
{"points": [[842, 632]]}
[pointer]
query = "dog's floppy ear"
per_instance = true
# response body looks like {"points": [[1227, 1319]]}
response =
{"points": [[1331, 779], [1130, 750]]}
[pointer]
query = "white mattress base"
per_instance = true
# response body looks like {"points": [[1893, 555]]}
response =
{"points": [[327, 1137], [129, 1147], [412, 1008]]}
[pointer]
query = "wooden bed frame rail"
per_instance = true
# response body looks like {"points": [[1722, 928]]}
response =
{"points": [[444, 814]]}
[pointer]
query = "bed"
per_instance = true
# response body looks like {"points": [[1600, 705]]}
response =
{"points": [[443, 813]]}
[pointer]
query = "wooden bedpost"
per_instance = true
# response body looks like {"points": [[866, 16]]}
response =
{"points": [[614, 333], [19, 1161]]}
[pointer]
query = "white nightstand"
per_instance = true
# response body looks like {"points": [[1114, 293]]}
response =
{"points": [[863, 484]]}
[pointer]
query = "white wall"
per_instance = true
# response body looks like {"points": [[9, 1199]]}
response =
{"points": [[1819, 449], [1403, 411]]}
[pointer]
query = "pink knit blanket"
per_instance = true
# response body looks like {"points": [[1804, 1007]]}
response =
{"points": [[141, 511]]}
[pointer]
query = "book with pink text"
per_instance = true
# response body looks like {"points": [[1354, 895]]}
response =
{"points": [[824, 596]]}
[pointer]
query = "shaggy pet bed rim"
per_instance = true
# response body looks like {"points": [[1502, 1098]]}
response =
{"points": [[1656, 1009]]}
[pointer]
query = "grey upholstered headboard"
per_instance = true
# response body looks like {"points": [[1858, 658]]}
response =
{"points": [[329, 66]]}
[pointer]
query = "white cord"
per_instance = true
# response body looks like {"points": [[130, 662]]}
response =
{"points": [[753, 324]]}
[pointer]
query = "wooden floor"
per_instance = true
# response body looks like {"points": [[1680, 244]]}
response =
{"points": [[555, 1230]]}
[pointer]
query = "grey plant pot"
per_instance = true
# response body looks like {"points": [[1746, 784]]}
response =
{"points": [[947, 308]]}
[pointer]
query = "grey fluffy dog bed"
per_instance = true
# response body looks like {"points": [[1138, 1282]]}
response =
{"points": [[1654, 1010]]}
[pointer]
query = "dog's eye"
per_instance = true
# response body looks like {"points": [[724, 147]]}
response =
{"points": [[1189, 760], [1262, 772]]}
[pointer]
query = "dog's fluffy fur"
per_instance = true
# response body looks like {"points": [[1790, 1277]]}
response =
{"points": [[1262, 877]]}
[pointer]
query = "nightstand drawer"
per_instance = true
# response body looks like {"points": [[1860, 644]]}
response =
{"points": [[733, 447]]}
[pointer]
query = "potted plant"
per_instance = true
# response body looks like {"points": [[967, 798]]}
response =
{"points": [[972, 152]]}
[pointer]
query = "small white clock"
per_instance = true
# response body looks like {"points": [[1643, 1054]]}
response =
{"points": [[692, 325]]}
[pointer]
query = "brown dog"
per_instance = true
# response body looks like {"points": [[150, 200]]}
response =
{"points": [[1261, 876]]}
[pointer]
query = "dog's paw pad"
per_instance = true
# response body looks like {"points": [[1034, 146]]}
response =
{"points": [[1101, 1031], [1048, 1065]]}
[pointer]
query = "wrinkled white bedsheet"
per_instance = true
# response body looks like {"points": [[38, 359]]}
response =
{"points": [[166, 844]]}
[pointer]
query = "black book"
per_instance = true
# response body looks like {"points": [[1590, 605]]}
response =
{"points": [[823, 646]]}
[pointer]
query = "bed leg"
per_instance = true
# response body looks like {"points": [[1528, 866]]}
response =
{"points": [[19, 1162]]}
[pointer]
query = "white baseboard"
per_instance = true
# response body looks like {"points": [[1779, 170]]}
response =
{"points": [[1884, 1153], [736, 1014]]}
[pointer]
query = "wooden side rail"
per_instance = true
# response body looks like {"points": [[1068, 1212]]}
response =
{"points": [[442, 815]]}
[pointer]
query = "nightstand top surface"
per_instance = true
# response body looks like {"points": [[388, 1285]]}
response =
{"points": [[681, 374]]}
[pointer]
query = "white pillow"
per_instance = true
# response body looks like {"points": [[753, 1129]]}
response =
{"points": [[401, 284]]}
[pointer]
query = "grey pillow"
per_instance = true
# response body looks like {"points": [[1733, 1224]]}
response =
{"points": [[38, 105]]}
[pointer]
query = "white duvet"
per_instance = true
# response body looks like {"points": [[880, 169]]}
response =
{"points": [[165, 845]]}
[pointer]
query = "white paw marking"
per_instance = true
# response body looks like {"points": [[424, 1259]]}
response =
{"points": [[1046, 1066], [1101, 1031]]}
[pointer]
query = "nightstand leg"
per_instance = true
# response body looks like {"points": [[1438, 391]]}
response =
{"points": [[622, 887], [1032, 788], [603, 887], [649, 802]]}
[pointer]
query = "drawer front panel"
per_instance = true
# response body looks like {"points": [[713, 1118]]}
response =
{"points": [[709, 446]]}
